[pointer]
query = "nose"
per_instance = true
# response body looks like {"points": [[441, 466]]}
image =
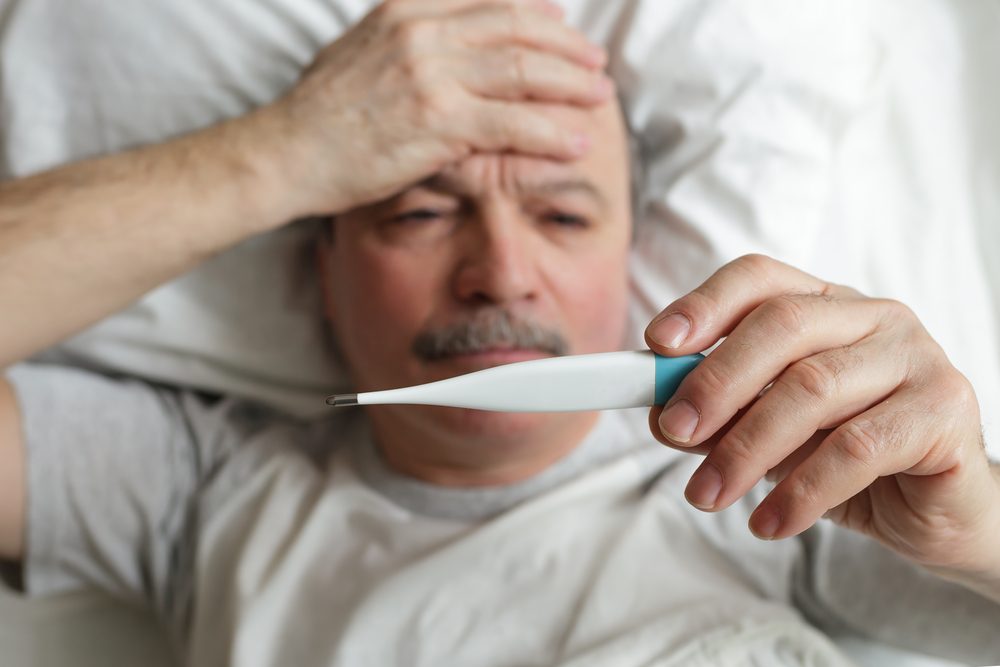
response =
{"points": [[496, 264]]}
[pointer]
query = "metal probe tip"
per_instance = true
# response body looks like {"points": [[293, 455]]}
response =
{"points": [[342, 399]]}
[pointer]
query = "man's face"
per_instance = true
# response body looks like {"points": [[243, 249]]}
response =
{"points": [[499, 258]]}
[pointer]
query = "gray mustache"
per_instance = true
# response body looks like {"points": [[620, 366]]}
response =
{"points": [[488, 329]]}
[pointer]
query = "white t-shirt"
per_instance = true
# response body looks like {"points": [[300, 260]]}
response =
{"points": [[266, 542]]}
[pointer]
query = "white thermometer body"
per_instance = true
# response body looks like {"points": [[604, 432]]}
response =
{"points": [[604, 381]]}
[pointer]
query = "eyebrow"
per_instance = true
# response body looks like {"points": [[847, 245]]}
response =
{"points": [[446, 185]]}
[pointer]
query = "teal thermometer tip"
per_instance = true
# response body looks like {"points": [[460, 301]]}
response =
{"points": [[669, 372]]}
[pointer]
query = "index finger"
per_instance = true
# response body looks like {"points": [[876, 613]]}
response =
{"points": [[711, 311], [522, 24], [756, 302]]}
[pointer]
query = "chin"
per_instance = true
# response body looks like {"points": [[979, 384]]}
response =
{"points": [[470, 363], [507, 431], [486, 425]]}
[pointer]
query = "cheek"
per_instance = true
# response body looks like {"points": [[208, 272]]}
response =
{"points": [[593, 297], [381, 300]]}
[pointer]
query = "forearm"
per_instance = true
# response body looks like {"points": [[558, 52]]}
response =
{"points": [[82, 241]]}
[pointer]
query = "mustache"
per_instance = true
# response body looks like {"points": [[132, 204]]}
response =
{"points": [[488, 329]]}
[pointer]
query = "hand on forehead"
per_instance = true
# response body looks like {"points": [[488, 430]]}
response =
{"points": [[604, 129], [605, 166]]}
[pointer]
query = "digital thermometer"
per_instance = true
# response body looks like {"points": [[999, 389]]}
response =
{"points": [[603, 381]]}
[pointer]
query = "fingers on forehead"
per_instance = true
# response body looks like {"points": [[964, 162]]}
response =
{"points": [[529, 27], [533, 23], [427, 7]]}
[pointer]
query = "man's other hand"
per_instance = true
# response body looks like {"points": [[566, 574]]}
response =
{"points": [[845, 401]]}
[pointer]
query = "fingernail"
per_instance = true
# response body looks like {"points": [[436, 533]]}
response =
{"points": [[765, 523], [671, 331], [704, 488], [581, 144], [679, 421]]}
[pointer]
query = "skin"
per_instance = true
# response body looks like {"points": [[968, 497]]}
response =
{"points": [[415, 86], [543, 240], [864, 419], [846, 402]]}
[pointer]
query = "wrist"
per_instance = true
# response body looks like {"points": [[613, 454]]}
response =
{"points": [[289, 178], [981, 570], [255, 166]]}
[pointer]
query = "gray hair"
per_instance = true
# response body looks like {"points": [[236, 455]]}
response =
{"points": [[636, 169]]}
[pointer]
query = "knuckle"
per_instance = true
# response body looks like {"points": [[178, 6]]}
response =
{"points": [[799, 491], [859, 440], [418, 70], [699, 305], [753, 264], [427, 100], [712, 380], [958, 390], [736, 451], [432, 107], [788, 314], [900, 309], [896, 313], [414, 34], [817, 377]]}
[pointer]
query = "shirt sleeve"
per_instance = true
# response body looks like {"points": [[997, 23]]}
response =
{"points": [[850, 586], [846, 583], [113, 467]]}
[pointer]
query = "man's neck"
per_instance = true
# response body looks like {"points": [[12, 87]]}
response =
{"points": [[474, 449]]}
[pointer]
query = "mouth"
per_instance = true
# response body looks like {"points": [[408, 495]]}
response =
{"points": [[495, 357]]}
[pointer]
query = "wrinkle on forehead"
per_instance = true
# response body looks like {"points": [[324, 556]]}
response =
{"points": [[605, 163], [521, 180], [602, 173]]}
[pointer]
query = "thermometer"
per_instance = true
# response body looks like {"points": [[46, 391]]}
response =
{"points": [[603, 381]]}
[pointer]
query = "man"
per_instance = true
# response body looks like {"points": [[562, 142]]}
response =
{"points": [[491, 224]]}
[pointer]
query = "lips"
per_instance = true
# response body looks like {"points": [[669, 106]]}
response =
{"points": [[496, 357]]}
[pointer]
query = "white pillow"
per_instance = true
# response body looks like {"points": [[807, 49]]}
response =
{"points": [[828, 134]]}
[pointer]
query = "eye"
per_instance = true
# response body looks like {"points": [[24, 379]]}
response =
{"points": [[566, 219], [417, 215]]}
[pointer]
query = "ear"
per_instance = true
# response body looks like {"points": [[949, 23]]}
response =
{"points": [[324, 259]]}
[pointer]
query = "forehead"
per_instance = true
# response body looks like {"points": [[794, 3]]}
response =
{"points": [[605, 164], [604, 168]]}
